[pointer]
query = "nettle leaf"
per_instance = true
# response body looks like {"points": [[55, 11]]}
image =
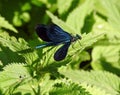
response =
{"points": [[77, 16], [9, 46], [66, 87], [13, 75], [8, 56], [94, 90], [18, 50], [111, 11], [90, 38], [111, 35], [105, 54], [45, 85], [106, 81], [5, 24], [113, 14], [106, 58], [65, 5], [12, 42], [103, 26], [36, 87]]}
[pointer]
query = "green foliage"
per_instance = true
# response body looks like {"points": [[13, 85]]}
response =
{"points": [[112, 12], [105, 54], [65, 87], [27, 71], [107, 82], [79, 14], [6, 25], [12, 76], [107, 58], [66, 5]]}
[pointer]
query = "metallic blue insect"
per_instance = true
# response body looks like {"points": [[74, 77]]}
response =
{"points": [[54, 35]]}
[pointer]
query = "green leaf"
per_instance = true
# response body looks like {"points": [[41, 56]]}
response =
{"points": [[65, 5], [18, 50], [113, 14], [13, 75], [110, 9], [105, 54], [106, 81], [8, 56], [90, 38], [77, 16], [12, 42], [111, 35], [65, 87], [94, 90], [5, 24], [106, 58], [37, 87]]}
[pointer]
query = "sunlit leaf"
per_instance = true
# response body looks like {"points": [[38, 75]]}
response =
{"points": [[5, 24], [104, 80]]}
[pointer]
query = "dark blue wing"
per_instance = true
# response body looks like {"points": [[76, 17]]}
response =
{"points": [[57, 35], [61, 53], [41, 31]]}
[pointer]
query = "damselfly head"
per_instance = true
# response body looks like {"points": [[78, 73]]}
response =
{"points": [[76, 37]]}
